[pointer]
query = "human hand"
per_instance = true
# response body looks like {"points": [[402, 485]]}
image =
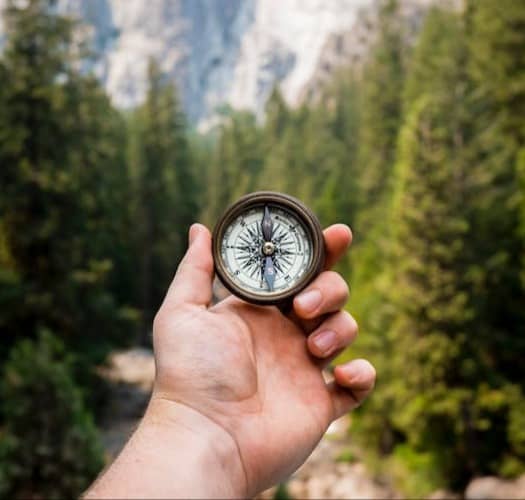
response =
{"points": [[254, 373], [239, 400]]}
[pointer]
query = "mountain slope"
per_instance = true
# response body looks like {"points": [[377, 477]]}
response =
{"points": [[218, 51]]}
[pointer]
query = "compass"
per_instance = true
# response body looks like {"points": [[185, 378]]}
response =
{"points": [[267, 247]]}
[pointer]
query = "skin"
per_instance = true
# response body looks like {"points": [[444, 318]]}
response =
{"points": [[239, 400]]}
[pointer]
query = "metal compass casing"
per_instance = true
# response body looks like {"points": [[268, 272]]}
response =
{"points": [[267, 247]]}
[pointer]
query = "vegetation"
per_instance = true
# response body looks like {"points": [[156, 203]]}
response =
{"points": [[420, 148], [164, 191], [49, 446]]}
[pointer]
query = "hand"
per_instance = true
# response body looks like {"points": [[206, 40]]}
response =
{"points": [[251, 371], [239, 400]]}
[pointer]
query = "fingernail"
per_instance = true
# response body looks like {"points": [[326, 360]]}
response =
{"points": [[325, 341], [194, 231], [310, 300]]}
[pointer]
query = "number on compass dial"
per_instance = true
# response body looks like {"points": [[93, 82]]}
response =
{"points": [[266, 249]]}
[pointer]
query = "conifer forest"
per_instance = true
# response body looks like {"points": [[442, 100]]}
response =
{"points": [[420, 149]]}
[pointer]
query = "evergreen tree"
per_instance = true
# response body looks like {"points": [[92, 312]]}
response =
{"points": [[343, 100], [165, 187], [381, 106], [56, 155], [449, 401], [49, 446], [380, 111], [284, 143], [276, 117], [379, 91], [432, 309], [236, 163], [496, 42]]}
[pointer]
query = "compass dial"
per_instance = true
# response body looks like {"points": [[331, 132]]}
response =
{"points": [[244, 250], [267, 247]]}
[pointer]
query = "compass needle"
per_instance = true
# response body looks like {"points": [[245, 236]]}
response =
{"points": [[269, 272], [267, 224]]}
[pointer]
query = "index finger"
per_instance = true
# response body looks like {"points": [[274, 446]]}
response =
{"points": [[337, 240]]}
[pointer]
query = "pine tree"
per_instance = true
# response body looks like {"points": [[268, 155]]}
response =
{"points": [[285, 166], [432, 309], [496, 40], [236, 164], [381, 106], [49, 446], [496, 44], [449, 401], [165, 187], [345, 127], [379, 92], [56, 156]]}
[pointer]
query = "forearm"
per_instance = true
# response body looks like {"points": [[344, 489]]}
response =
{"points": [[175, 453]]}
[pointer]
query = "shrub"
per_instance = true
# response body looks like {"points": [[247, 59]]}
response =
{"points": [[49, 446]]}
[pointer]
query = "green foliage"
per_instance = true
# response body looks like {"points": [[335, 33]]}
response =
{"points": [[447, 381], [282, 493], [381, 106], [49, 447], [347, 456], [235, 163], [64, 180], [495, 40], [303, 152], [165, 189], [416, 473], [432, 309]]}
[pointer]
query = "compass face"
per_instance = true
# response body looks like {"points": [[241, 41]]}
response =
{"points": [[267, 247], [244, 250]]}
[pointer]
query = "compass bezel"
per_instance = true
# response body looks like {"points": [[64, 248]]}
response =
{"points": [[298, 210]]}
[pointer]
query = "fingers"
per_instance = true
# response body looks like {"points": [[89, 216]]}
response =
{"points": [[327, 293], [353, 383], [335, 333], [193, 281], [337, 240]]}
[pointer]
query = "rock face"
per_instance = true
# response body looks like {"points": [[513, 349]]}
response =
{"points": [[221, 51], [350, 47], [195, 41], [283, 44]]}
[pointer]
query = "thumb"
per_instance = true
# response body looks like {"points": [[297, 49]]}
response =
{"points": [[193, 281]]}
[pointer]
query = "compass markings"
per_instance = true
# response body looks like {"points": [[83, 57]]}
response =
{"points": [[244, 241]]}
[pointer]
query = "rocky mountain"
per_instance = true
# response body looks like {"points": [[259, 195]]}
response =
{"points": [[218, 51]]}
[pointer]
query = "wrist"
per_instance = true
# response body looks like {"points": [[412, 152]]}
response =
{"points": [[205, 452], [176, 452]]}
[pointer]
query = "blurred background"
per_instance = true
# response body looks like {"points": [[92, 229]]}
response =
{"points": [[123, 121]]}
